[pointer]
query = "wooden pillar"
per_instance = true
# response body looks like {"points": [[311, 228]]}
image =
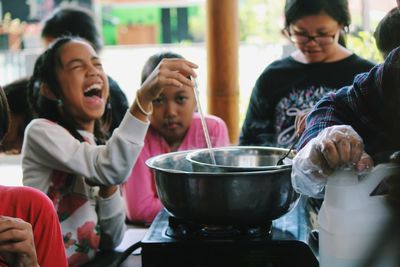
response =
{"points": [[222, 66]]}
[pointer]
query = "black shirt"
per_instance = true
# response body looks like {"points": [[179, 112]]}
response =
{"points": [[287, 87]]}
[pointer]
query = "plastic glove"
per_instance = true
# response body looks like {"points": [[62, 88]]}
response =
{"points": [[334, 147]]}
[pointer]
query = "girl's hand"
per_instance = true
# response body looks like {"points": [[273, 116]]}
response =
{"points": [[107, 191], [104, 191], [16, 239], [170, 72]]}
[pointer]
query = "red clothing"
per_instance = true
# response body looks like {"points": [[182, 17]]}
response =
{"points": [[34, 207]]}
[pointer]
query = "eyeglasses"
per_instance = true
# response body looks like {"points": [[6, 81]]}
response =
{"points": [[302, 39]]}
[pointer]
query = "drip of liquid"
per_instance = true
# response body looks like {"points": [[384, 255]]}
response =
{"points": [[203, 122]]}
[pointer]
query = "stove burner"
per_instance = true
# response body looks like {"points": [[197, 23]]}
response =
{"points": [[282, 248], [180, 229]]}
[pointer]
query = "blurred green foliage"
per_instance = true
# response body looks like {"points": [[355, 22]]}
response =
{"points": [[197, 23], [261, 20], [363, 44]]}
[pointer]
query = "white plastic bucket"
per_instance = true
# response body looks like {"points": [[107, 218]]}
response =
{"points": [[350, 220]]}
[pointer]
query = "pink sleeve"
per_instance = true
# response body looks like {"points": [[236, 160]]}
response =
{"points": [[218, 132], [139, 192]]}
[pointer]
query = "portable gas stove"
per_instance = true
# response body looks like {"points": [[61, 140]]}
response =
{"points": [[173, 242]]}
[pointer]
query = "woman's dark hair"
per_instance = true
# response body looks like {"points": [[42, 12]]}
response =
{"points": [[72, 20], [44, 72], [4, 114], [336, 9], [154, 60], [387, 34]]}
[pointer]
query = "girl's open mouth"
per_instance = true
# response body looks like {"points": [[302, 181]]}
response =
{"points": [[93, 94]]}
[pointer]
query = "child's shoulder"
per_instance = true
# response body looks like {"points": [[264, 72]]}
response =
{"points": [[41, 126], [41, 122], [26, 196], [210, 119]]}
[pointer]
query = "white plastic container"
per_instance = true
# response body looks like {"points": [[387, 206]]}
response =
{"points": [[350, 220]]}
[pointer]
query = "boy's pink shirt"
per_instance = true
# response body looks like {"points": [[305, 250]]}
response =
{"points": [[139, 192]]}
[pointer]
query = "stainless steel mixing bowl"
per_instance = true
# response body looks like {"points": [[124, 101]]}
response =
{"points": [[238, 158], [221, 198]]}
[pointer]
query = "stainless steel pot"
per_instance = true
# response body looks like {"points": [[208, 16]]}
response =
{"points": [[221, 198]]}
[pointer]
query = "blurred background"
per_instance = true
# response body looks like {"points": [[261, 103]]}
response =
{"points": [[135, 29]]}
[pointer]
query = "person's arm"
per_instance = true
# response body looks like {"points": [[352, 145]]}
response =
{"points": [[258, 126], [334, 147], [323, 147], [46, 230], [307, 176], [52, 146], [17, 243], [40, 221], [111, 220]]}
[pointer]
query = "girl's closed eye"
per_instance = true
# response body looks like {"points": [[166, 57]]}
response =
{"points": [[98, 65], [76, 66]]}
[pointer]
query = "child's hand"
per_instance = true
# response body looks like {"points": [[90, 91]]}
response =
{"points": [[107, 191], [171, 72], [16, 238], [104, 191]]}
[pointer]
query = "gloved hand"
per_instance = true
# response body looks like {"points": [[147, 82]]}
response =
{"points": [[334, 147]]}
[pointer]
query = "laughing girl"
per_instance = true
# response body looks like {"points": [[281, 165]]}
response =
{"points": [[65, 154]]}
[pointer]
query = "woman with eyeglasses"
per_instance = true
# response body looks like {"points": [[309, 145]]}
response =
{"points": [[291, 86]]}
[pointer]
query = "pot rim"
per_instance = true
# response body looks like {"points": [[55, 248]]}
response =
{"points": [[151, 164], [227, 168]]}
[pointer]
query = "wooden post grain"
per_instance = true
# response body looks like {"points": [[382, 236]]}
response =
{"points": [[222, 68]]}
